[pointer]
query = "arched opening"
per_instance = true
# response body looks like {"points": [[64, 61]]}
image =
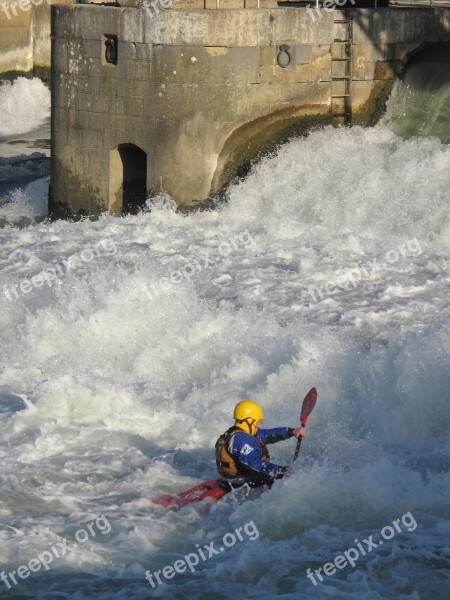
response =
{"points": [[420, 102], [127, 179]]}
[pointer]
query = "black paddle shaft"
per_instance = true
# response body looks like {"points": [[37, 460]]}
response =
{"points": [[308, 405], [298, 446]]}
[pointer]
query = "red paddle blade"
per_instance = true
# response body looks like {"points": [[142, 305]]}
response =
{"points": [[308, 405]]}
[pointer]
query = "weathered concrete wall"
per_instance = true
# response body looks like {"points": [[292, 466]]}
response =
{"points": [[25, 36], [184, 82], [201, 91]]}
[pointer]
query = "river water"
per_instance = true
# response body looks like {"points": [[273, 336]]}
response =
{"points": [[126, 342]]}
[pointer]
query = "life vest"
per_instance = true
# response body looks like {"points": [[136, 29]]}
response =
{"points": [[227, 465]]}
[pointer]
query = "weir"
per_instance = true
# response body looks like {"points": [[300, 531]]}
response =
{"points": [[182, 100]]}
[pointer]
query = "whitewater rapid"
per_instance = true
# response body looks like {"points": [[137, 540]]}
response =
{"points": [[134, 338], [24, 150]]}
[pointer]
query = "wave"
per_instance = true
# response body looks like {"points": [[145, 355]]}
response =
{"points": [[25, 106]]}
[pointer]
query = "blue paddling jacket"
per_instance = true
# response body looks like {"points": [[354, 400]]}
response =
{"points": [[239, 454]]}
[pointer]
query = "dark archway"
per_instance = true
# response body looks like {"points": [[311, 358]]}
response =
{"points": [[127, 179], [420, 102]]}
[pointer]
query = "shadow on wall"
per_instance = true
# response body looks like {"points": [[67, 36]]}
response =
{"points": [[127, 179]]}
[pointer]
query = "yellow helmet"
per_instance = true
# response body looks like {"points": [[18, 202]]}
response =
{"points": [[248, 413]]}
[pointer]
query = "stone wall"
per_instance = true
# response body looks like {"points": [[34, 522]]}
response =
{"points": [[202, 92], [25, 37]]}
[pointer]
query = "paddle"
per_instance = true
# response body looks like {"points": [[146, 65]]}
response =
{"points": [[307, 407]]}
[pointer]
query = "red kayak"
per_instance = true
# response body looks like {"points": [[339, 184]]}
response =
{"points": [[217, 488], [211, 489]]}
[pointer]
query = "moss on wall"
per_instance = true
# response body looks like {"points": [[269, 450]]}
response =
{"points": [[373, 109], [250, 142]]}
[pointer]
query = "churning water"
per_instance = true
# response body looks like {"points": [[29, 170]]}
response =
{"points": [[328, 266]]}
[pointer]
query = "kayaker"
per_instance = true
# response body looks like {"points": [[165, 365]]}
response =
{"points": [[241, 452]]}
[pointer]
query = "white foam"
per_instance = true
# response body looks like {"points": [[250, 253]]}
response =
{"points": [[25, 105], [128, 389], [26, 204]]}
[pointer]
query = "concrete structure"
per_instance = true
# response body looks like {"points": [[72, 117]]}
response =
{"points": [[195, 95], [25, 37]]}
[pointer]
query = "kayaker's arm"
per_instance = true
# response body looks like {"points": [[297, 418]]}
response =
{"points": [[278, 434]]}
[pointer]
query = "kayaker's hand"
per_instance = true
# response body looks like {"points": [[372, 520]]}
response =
{"points": [[281, 472], [300, 432]]}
